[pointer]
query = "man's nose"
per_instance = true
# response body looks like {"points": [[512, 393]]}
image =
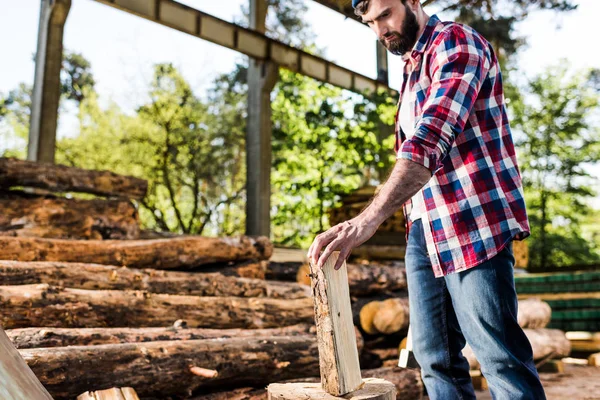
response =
{"points": [[381, 30]]}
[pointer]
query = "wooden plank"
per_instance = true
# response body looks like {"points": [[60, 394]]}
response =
{"points": [[338, 356], [17, 381]]}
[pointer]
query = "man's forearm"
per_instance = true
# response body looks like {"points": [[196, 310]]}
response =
{"points": [[406, 179]]}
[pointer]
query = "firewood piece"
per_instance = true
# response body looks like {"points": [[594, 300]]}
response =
{"points": [[162, 369], [392, 316], [26, 338], [408, 385], [338, 355], [60, 178], [17, 381], [28, 215], [126, 393], [108, 277], [371, 389], [534, 313], [187, 252], [44, 305]]}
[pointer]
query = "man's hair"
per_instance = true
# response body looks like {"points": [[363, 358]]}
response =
{"points": [[363, 7]]}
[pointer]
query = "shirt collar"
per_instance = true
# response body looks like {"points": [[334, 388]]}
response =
{"points": [[419, 46]]}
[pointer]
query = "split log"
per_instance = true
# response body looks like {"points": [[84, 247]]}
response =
{"points": [[108, 277], [367, 279], [534, 313], [28, 215], [17, 381], [254, 269], [164, 369], [110, 394], [407, 381], [60, 178], [43, 305], [186, 252], [27, 338], [370, 389], [338, 356]]}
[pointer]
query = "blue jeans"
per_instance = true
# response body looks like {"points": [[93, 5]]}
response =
{"points": [[479, 305]]}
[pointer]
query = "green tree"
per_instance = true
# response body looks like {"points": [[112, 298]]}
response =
{"points": [[561, 139]]}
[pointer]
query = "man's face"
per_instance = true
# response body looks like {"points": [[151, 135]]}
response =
{"points": [[394, 23]]}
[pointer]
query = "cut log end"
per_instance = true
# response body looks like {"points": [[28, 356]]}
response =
{"points": [[125, 393], [372, 389]]}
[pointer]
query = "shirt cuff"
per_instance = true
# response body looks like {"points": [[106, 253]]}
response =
{"points": [[415, 150]]}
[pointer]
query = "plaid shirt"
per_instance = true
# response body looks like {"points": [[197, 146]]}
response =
{"points": [[474, 200]]}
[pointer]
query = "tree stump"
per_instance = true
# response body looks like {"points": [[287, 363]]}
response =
{"points": [[125, 393], [372, 389]]}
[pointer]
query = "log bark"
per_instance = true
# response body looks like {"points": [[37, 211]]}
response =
{"points": [[43, 305], [407, 381], [188, 252], [17, 381], [107, 277], [370, 389], [367, 279], [534, 313], [253, 269], [158, 370], [60, 178], [284, 271], [28, 338], [27, 215]]}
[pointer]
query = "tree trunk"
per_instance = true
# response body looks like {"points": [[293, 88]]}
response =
{"points": [[407, 381], [161, 369], [107, 277], [60, 178], [27, 215], [17, 381], [186, 252], [534, 313], [44, 305], [27, 338]]}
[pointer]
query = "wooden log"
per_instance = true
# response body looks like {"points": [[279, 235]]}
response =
{"points": [[17, 381], [187, 252], [407, 381], [594, 360], [252, 269], [371, 389], [284, 271], [338, 355], [60, 178], [27, 338], [29, 215], [108, 277], [164, 369], [534, 313], [110, 394], [373, 252], [43, 305], [392, 316]]}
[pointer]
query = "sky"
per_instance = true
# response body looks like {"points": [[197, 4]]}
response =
{"points": [[122, 48]]}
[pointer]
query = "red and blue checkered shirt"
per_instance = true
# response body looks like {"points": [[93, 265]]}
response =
{"points": [[474, 200]]}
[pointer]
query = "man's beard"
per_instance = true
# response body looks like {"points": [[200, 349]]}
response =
{"points": [[403, 42]]}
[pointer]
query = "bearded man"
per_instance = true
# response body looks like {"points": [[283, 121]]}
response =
{"points": [[456, 175]]}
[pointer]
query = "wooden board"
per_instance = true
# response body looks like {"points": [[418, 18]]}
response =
{"points": [[338, 356], [17, 381], [372, 389]]}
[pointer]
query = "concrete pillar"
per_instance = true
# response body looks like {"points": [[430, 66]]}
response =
{"points": [[262, 77], [46, 87]]}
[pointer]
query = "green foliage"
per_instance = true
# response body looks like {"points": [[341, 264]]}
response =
{"points": [[559, 123], [76, 76]]}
